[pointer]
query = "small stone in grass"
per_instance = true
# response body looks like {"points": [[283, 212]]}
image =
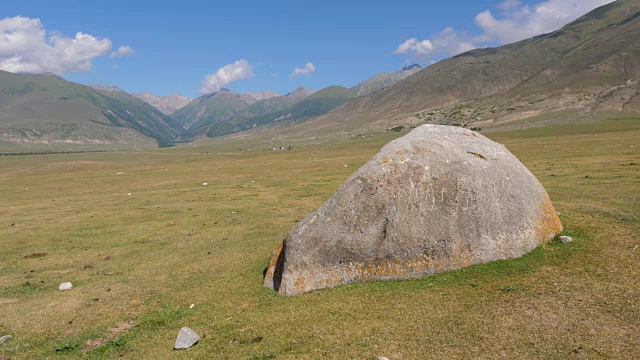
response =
{"points": [[186, 338], [65, 286], [565, 239], [5, 339]]}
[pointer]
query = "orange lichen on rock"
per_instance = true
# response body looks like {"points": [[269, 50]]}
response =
{"points": [[377, 269], [550, 224], [270, 271]]}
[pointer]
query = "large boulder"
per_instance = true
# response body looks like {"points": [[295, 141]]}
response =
{"points": [[437, 199]]}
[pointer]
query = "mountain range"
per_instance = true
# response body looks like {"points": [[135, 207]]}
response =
{"points": [[589, 67], [167, 104]]}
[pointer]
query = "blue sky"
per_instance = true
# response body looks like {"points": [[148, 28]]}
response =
{"points": [[177, 44]]}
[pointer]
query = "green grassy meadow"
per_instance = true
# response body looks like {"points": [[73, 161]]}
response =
{"points": [[138, 261]]}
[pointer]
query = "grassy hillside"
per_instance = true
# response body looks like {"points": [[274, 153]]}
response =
{"points": [[275, 104], [46, 108], [319, 103], [139, 261], [590, 66]]}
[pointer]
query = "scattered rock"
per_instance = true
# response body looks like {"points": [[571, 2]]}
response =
{"points": [[204, 184], [5, 339], [192, 306], [186, 338], [65, 286], [120, 173], [108, 257], [565, 239], [382, 358], [426, 203]]}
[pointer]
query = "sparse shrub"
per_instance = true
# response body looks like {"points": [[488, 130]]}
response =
{"points": [[65, 346]]}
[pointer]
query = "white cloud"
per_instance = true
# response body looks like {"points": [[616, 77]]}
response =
{"points": [[306, 70], [523, 22], [447, 42], [124, 50], [415, 47], [516, 22], [26, 47], [239, 70]]}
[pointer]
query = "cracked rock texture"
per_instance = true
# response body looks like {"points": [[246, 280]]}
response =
{"points": [[437, 199]]}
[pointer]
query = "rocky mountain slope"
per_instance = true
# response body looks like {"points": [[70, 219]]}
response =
{"points": [[262, 95], [166, 104], [384, 80], [48, 109]]}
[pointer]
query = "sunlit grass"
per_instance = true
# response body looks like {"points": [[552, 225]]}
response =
{"points": [[146, 257]]}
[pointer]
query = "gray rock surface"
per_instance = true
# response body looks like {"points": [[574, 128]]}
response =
{"points": [[565, 239], [65, 286], [166, 104], [186, 338], [5, 339], [439, 198]]}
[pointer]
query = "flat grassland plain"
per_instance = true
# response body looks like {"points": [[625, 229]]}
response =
{"points": [[138, 261]]}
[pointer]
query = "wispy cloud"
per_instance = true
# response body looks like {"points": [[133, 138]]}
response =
{"points": [[124, 50], [239, 70], [306, 70], [27, 47], [515, 22]]}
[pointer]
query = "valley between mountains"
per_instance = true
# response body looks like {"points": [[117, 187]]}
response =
{"points": [[584, 72]]}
